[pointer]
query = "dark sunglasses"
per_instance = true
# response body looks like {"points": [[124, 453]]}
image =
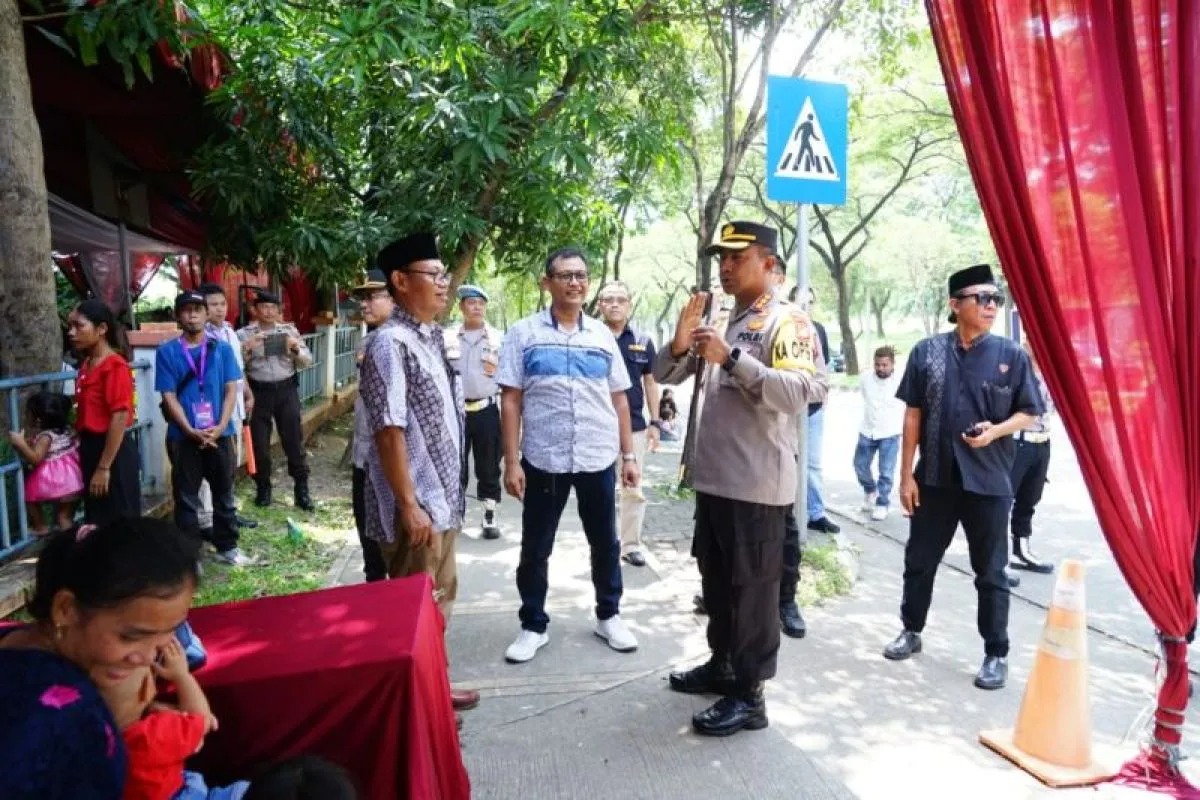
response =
{"points": [[984, 298]]}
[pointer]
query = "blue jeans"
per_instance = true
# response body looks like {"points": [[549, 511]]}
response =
{"points": [[194, 788], [816, 435], [545, 498], [864, 454]]}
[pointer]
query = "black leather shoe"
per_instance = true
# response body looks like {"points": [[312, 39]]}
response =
{"points": [[791, 621], [1013, 580], [993, 674], [708, 678], [246, 522], [824, 524], [1023, 558], [903, 646], [731, 714], [698, 605], [301, 496], [634, 558], [262, 497]]}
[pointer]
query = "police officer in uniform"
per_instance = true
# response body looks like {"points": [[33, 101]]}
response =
{"points": [[473, 349], [758, 377], [967, 393], [273, 351], [1030, 467]]}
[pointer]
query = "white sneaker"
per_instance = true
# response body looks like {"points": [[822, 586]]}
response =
{"points": [[234, 557], [879, 513], [526, 646], [869, 501], [619, 637]]}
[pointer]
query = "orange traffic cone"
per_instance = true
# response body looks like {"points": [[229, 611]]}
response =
{"points": [[1053, 736]]}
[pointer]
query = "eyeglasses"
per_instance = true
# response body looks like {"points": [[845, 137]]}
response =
{"points": [[570, 277], [437, 277], [379, 295], [619, 301], [984, 298]]}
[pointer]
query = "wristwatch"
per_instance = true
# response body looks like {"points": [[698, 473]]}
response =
{"points": [[628, 457], [731, 362]]}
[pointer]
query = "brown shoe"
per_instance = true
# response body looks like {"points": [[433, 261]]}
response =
{"points": [[463, 699]]}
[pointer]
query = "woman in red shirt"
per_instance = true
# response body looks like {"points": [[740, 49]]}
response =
{"points": [[108, 455]]}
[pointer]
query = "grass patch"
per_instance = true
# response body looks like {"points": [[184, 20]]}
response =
{"points": [[822, 575], [287, 563], [671, 490]]}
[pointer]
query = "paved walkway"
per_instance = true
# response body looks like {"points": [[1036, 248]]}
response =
{"points": [[582, 721]]}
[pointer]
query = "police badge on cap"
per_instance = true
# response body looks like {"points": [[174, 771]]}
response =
{"points": [[739, 234]]}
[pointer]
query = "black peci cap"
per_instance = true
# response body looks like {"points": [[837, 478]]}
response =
{"points": [[409, 250]]}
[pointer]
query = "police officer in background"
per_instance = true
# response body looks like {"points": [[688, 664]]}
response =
{"points": [[473, 349], [273, 351], [967, 393], [1030, 467], [759, 376]]}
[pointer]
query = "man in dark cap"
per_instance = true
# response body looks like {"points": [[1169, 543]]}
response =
{"points": [[413, 497], [760, 375], [273, 352], [967, 392]]}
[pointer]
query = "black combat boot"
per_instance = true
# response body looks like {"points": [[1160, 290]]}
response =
{"points": [[1023, 558], [301, 496], [732, 713], [715, 676], [262, 497]]}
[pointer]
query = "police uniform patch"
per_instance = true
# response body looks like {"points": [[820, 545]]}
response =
{"points": [[637, 348], [792, 350], [755, 324]]}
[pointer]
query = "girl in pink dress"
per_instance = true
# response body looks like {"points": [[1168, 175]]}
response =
{"points": [[51, 455]]}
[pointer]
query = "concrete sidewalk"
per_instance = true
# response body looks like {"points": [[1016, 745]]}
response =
{"points": [[581, 720]]}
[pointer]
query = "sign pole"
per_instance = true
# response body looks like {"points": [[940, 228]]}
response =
{"points": [[801, 506]]}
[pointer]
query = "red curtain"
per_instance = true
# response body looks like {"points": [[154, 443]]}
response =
{"points": [[1081, 123]]}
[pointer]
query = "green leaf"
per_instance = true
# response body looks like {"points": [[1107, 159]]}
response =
{"points": [[55, 38]]}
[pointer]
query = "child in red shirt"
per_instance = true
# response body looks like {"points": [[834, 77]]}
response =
{"points": [[160, 738]]}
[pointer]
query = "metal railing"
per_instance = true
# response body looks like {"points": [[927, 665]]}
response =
{"points": [[346, 366], [13, 516], [312, 377]]}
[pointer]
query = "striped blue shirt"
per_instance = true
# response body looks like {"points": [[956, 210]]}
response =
{"points": [[568, 379]]}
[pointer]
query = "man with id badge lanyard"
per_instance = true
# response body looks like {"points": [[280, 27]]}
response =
{"points": [[197, 377]]}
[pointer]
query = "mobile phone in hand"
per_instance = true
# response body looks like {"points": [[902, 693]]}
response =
{"points": [[973, 431]]}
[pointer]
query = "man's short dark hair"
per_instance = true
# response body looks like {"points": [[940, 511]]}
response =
{"points": [[887, 351], [207, 289], [563, 253]]}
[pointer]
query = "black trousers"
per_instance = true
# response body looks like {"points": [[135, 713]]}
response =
{"points": [[739, 548], [985, 522], [1029, 470], [483, 444], [792, 556], [124, 498], [192, 465], [374, 567], [277, 402]]}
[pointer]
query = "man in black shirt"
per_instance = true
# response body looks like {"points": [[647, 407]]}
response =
{"points": [[967, 392]]}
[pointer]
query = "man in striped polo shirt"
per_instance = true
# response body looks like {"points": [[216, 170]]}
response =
{"points": [[564, 420]]}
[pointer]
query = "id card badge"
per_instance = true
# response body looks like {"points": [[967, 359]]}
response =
{"points": [[202, 413]]}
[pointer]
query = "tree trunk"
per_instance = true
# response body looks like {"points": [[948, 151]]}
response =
{"points": [[30, 337], [849, 349], [877, 312]]}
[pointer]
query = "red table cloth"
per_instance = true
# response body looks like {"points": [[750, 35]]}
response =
{"points": [[355, 674]]}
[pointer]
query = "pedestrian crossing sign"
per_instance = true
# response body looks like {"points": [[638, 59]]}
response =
{"points": [[806, 141]]}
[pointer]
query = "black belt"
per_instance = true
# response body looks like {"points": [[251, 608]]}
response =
{"points": [[271, 384]]}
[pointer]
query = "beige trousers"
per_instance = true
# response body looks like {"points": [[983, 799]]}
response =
{"points": [[438, 560], [631, 502]]}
